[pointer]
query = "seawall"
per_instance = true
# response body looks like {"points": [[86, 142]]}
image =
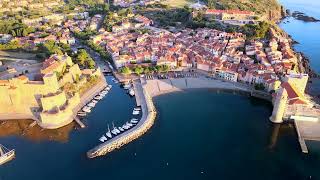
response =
{"points": [[145, 123]]}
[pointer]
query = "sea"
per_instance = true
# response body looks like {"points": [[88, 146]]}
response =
{"points": [[198, 134]]}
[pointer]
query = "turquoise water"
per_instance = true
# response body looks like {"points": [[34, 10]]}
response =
{"points": [[198, 134]]}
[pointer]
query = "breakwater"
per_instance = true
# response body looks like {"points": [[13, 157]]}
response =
{"points": [[145, 123]]}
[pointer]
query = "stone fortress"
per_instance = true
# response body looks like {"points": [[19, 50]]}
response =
{"points": [[41, 95]]}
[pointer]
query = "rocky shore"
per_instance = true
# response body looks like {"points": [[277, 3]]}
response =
{"points": [[303, 17]]}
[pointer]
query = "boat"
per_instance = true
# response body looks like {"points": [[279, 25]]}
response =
{"points": [[98, 97], [86, 109], [127, 86], [115, 131], [108, 133], [82, 114], [137, 108], [131, 92], [134, 121], [135, 112], [109, 86], [103, 138], [6, 154], [121, 129], [129, 124], [125, 127], [92, 104]]}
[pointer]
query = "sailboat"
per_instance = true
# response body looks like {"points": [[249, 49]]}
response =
{"points": [[6, 154], [109, 133]]}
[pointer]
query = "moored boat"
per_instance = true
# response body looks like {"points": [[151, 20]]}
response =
{"points": [[6, 154], [108, 133]]}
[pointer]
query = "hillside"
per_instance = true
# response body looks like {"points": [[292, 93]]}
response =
{"points": [[268, 9]]}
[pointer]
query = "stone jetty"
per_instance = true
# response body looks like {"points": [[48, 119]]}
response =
{"points": [[146, 122]]}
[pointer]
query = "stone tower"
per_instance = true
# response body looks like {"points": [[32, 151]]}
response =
{"points": [[279, 106]]}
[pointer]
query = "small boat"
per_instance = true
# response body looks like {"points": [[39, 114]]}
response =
{"points": [[121, 129], [127, 86], [109, 86], [115, 131], [134, 121], [6, 154], [108, 133], [94, 101], [137, 108], [92, 104], [86, 109], [129, 124], [135, 112], [125, 127], [98, 97], [103, 138], [131, 92], [81, 114]]}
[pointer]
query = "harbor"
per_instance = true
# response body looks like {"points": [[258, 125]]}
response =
{"points": [[144, 101]]}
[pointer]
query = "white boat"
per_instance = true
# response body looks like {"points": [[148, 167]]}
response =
{"points": [[109, 86], [98, 97], [94, 101], [134, 121], [92, 104], [121, 129], [135, 112], [131, 92], [108, 133], [137, 108], [6, 154], [129, 124], [103, 138], [126, 86], [86, 109], [125, 127], [82, 114], [115, 131]]}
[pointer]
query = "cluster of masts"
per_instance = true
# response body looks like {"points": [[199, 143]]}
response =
{"points": [[118, 130]]}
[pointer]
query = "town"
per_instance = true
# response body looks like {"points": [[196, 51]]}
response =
{"points": [[64, 75]]}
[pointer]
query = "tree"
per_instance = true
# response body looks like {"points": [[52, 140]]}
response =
{"points": [[259, 86], [125, 70], [91, 64], [138, 70], [84, 59]]}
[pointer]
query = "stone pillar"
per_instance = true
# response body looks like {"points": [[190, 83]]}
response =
{"points": [[279, 107]]}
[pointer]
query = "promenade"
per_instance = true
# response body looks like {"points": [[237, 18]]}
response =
{"points": [[148, 116]]}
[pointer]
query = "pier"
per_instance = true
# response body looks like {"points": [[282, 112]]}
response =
{"points": [[148, 116], [77, 120]]}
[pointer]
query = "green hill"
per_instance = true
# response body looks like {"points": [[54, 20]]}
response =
{"points": [[268, 9]]}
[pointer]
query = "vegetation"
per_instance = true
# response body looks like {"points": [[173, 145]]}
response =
{"points": [[84, 35], [258, 6], [116, 18], [144, 70], [12, 45], [84, 59], [15, 28], [167, 16], [125, 70], [104, 54], [256, 31]]}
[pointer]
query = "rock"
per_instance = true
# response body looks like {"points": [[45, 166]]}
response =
{"points": [[303, 17]]}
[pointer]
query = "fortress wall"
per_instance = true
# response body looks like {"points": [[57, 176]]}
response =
{"points": [[51, 102]]}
